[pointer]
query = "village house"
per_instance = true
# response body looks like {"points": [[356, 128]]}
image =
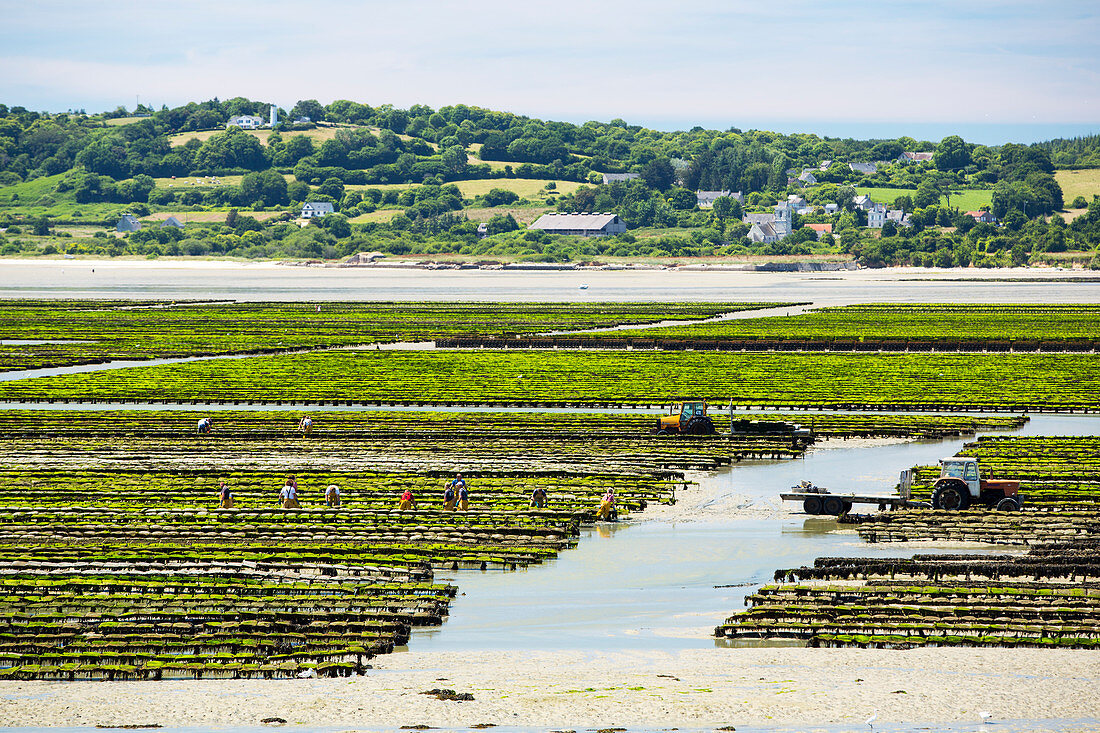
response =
{"points": [[796, 201], [806, 178], [863, 202], [831, 208], [825, 165], [581, 225], [982, 217], [908, 157], [314, 209], [897, 216], [245, 122], [768, 228], [864, 169], [171, 222], [128, 223], [482, 230], [620, 177], [876, 216], [706, 199], [821, 229]]}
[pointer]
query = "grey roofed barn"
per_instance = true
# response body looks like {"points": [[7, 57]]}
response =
{"points": [[584, 225]]}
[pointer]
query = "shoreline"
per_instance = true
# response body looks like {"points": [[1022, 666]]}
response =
{"points": [[576, 689]]}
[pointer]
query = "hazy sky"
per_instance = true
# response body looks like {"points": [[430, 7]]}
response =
{"points": [[667, 64]]}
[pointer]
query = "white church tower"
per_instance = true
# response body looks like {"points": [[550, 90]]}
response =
{"points": [[782, 223]]}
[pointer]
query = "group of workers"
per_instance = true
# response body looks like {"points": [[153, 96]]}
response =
{"points": [[206, 424], [456, 496], [288, 495]]}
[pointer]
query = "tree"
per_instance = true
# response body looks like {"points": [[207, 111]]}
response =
{"points": [[951, 154], [337, 225], [682, 199], [927, 194], [726, 207], [267, 187], [454, 158], [41, 226], [658, 174], [310, 108]]}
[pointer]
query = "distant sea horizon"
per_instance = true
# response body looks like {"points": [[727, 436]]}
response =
{"points": [[983, 133]]}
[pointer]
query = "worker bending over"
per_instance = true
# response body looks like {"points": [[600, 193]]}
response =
{"points": [[306, 425], [538, 498], [332, 496], [407, 501], [206, 424]]}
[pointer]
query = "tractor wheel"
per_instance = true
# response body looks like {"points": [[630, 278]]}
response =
{"points": [[833, 505], [1008, 504], [663, 431], [811, 505], [951, 496], [700, 426]]}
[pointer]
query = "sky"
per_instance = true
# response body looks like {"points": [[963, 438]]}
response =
{"points": [[839, 67]]}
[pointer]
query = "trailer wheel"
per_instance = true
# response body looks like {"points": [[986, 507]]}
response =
{"points": [[1008, 504], [833, 505], [662, 431], [812, 505]]}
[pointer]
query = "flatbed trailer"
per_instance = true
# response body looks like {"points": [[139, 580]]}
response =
{"points": [[837, 504], [817, 500]]}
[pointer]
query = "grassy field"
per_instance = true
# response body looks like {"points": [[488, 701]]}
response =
{"points": [[968, 200], [523, 187], [319, 135], [207, 217], [119, 121], [381, 216], [1079, 183]]}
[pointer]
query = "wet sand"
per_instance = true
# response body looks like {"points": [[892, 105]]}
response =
{"points": [[577, 689]]}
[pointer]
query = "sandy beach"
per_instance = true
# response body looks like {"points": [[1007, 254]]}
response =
{"points": [[574, 689]]}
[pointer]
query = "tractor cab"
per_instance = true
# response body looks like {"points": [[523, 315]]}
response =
{"points": [[686, 417], [964, 469]]}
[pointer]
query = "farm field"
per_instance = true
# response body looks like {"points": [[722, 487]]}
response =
{"points": [[964, 200], [856, 326], [150, 329], [318, 135], [1074, 183], [1015, 382]]}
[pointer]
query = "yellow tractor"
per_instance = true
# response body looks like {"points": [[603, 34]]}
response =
{"points": [[686, 418]]}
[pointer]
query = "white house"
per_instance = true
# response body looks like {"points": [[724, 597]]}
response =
{"points": [[581, 225], [876, 216], [807, 178], [245, 122], [864, 169], [863, 202], [769, 228], [316, 208]]}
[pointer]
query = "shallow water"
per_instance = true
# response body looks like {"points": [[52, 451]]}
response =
{"points": [[666, 585]]}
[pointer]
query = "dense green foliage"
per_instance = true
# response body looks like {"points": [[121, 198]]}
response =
{"points": [[79, 169]]}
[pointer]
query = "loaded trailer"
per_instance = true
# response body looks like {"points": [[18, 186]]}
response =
{"points": [[819, 500]]}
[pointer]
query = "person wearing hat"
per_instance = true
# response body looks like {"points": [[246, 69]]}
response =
{"points": [[407, 501], [288, 497]]}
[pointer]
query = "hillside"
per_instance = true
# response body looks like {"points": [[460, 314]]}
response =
{"points": [[419, 181]]}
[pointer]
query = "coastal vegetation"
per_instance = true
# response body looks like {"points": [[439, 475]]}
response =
{"points": [[416, 183]]}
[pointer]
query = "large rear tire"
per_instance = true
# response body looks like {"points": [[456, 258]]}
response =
{"points": [[833, 505], [811, 505], [1008, 504], [700, 426], [953, 496]]}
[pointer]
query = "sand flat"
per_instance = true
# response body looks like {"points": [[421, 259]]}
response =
{"points": [[584, 689]]}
